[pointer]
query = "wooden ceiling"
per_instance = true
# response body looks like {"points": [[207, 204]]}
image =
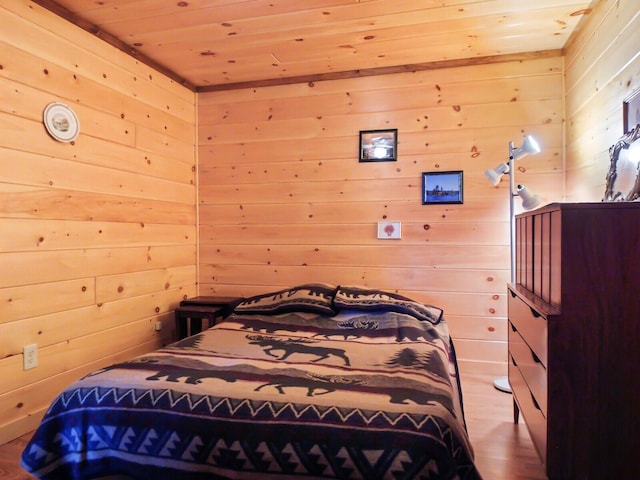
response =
{"points": [[222, 44]]}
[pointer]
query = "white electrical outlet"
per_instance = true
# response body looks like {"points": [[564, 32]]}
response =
{"points": [[158, 326], [30, 356]]}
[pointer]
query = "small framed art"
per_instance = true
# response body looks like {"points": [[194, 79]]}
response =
{"points": [[442, 187], [378, 145], [389, 230], [631, 112]]}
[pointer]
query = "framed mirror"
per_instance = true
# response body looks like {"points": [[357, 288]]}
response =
{"points": [[623, 178]]}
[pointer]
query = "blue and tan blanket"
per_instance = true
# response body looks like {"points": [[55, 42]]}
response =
{"points": [[355, 395]]}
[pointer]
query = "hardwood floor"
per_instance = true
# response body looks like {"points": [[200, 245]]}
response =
{"points": [[10, 468], [503, 450]]}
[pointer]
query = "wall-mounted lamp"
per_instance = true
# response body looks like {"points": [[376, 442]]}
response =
{"points": [[529, 201]]}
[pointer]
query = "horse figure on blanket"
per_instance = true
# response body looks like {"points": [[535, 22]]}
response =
{"points": [[296, 345]]}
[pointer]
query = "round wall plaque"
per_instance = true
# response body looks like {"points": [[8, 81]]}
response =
{"points": [[61, 122]]}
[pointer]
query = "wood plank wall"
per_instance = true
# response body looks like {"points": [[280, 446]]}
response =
{"points": [[284, 200], [603, 68], [98, 237]]}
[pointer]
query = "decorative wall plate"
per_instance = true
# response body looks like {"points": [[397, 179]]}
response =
{"points": [[61, 122]]}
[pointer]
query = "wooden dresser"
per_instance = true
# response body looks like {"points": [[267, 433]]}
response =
{"points": [[574, 337]]}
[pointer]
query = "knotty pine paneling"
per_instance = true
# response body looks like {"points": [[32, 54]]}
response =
{"points": [[340, 149], [98, 236], [432, 233], [56, 328], [603, 68], [283, 199], [25, 201], [435, 257], [397, 98], [33, 397], [321, 213], [123, 171]]}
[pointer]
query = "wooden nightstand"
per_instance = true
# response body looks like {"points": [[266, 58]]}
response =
{"points": [[192, 313]]}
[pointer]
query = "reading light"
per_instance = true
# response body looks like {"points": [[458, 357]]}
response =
{"points": [[529, 147], [529, 201], [495, 174]]}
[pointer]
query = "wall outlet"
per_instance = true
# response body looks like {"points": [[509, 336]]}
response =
{"points": [[158, 326], [30, 356]]}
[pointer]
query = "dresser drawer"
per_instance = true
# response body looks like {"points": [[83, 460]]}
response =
{"points": [[530, 324], [533, 417], [531, 369]]}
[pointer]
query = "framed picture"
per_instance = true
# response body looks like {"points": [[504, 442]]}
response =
{"points": [[389, 230], [442, 187], [631, 112], [378, 145]]}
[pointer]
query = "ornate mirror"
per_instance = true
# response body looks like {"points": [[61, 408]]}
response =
{"points": [[623, 177]]}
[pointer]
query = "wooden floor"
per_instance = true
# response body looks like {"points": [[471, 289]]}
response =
{"points": [[503, 450]]}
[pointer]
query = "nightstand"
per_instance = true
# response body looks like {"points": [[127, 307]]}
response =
{"points": [[192, 313]]}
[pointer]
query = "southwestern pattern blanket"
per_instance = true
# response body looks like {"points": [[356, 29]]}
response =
{"points": [[357, 395]]}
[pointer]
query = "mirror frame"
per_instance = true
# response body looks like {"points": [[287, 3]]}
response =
{"points": [[623, 143]]}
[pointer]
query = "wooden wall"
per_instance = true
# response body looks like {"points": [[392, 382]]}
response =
{"points": [[602, 69], [283, 199], [98, 237]]}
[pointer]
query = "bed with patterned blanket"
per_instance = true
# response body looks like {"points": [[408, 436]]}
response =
{"points": [[312, 382]]}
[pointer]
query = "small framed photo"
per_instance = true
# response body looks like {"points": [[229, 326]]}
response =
{"points": [[631, 112], [378, 145], [389, 230], [442, 187]]}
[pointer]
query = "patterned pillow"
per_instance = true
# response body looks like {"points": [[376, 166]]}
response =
{"points": [[358, 298], [311, 298]]}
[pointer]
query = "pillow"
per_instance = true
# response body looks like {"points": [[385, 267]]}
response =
{"points": [[311, 298], [358, 298]]}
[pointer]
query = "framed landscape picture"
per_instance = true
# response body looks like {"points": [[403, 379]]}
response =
{"points": [[442, 187]]}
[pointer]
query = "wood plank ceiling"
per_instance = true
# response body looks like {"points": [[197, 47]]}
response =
{"points": [[222, 44]]}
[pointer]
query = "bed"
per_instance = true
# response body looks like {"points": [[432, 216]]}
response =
{"points": [[314, 381]]}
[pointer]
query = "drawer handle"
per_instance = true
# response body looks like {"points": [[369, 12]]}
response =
{"points": [[513, 360], [513, 295], [513, 327], [535, 357], [535, 404], [535, 313]]}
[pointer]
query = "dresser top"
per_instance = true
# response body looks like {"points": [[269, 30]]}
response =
{"points": [[593, 206]]}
